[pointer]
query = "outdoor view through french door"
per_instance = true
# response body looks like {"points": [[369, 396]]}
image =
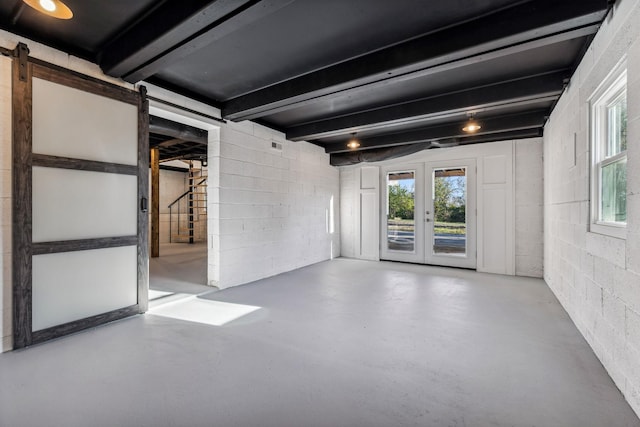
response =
{"points": [[430, 213]]}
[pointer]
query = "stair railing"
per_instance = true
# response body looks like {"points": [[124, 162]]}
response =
{"points": [[187, 193]]}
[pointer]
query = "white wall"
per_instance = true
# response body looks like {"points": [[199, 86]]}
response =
{"points": [[507, 243], [5, 204], [349, 218], [360, 212], [529, 207], [595, 277], [274, 211]]}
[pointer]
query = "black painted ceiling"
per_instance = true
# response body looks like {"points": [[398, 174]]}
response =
{"points": [[402, 74], [177, 141]]}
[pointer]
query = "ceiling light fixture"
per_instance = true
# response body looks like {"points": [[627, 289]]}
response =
{"points": [[471, 126], [353, 142], [53, 8]]}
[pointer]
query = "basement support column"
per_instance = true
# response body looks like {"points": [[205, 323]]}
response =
{"points": [[155, 202]]}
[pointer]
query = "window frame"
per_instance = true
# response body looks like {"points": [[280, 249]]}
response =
{"points": [[609, 91]]}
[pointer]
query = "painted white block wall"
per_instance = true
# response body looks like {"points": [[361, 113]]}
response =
{"points": [[274, 211], [529, 207], [596, 277], [5, 204]]}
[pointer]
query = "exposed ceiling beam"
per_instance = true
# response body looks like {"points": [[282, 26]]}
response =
{"points": [[174, 168], [175, 30], [167, 143], [168, 24], [387, 153], [522, 91], [530, 120], [177, 130], [516, 29]]}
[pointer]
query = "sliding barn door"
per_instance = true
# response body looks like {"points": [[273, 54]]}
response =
{"points": [[80, 191]]}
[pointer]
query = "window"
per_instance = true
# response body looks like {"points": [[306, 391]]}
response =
{"points": [[609, 155]]}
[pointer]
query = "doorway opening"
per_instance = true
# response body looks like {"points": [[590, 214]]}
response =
{"points": [[178, 212]]}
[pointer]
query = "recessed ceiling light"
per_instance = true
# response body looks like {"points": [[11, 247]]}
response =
{"points": [[53, 8]]}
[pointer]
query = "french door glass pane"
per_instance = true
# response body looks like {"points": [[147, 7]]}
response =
{"points": [[401, 211], [614, 192], [449, 206]]}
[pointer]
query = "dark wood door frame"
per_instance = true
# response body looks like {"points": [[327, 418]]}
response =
{"points": [[25, 69]]}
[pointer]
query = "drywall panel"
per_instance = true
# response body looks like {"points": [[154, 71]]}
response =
{"points": [[369, 178], [494, 240], [75, 285], [495, 170], [368, 213], [72, 123], [368, 223], [71, 204]]}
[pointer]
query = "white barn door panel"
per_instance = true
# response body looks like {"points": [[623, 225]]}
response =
{"points": [[80, 189]]}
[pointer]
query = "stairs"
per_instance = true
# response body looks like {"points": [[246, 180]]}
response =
{"points": [[188, 213]]}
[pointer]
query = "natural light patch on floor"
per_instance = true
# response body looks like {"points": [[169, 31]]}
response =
{"points": [[194, 309]]}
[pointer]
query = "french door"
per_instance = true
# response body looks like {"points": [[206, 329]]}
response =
{"points": [[430, 213]]}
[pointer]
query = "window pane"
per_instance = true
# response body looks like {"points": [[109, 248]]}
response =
{"points": [[614, 192], [401, 211], [449, 209], [617, 126]]}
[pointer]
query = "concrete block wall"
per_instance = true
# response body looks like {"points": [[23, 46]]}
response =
{"points": [[5, 204], [272, 211], [529, 207], [596, 277]]}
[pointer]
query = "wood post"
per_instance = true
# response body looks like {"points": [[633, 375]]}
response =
{"points": [[21, 194], [155, 202]]}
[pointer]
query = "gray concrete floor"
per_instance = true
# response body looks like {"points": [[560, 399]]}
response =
{"points": [[340, 343], [181, 268]]}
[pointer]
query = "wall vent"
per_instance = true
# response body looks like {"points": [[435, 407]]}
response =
{"points": [[276, 145]]}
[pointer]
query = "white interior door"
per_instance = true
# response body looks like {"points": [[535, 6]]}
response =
{"points": [[402, 227], [450, 213]]}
